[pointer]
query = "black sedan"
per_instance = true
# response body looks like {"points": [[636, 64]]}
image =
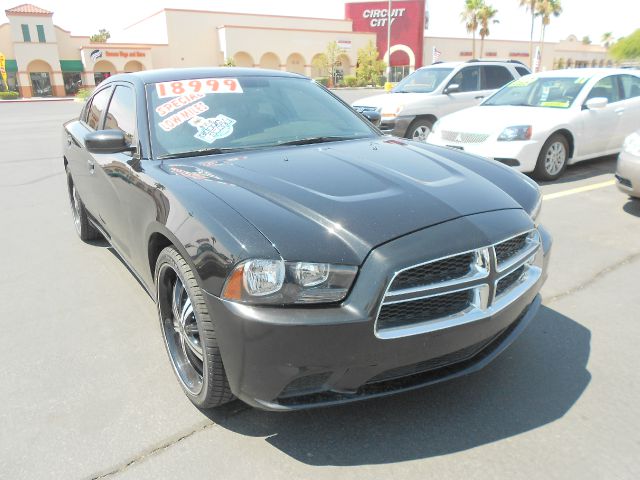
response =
{"points": [[297, 256]]}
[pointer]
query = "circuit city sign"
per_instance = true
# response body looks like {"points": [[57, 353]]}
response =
{"points": [[407, 28], [380, 16]]}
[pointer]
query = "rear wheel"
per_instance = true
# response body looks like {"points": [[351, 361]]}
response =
{"points": [[81, 222], [419, 129], [189, 332], [553, 157]]}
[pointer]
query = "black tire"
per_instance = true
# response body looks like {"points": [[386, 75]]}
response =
{"points": [[419, 129], [194, 353], [85, 230], [549, 165]]}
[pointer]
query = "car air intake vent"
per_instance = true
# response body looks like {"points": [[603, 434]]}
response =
{"points": [[406, 313], [510, 248], [463, 137], [306, 384], [434, 272]]}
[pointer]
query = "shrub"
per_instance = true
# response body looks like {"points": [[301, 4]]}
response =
{"points": [[350, 81], [83, 94], [8, 95], [381, 81], [323, 81]]}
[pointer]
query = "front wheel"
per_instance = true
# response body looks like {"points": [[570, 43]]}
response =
{"points": [[189, 332], [419, 130], [84, 229], [552, 159]]}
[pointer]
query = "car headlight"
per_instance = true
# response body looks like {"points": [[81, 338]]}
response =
{"points": [[632, 144], [391, 112], [276, 282], [517, 132]]}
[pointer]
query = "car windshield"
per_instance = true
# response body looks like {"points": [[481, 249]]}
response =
{"points": [[214, 115], [535, 91], [425, 80]]}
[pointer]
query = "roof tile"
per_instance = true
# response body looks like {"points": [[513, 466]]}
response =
{"points": [[27, 9]]}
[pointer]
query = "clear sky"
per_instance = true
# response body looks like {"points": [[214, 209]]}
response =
{"points": [[580, 17]]}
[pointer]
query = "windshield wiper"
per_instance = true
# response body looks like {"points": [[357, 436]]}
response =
{"points": [[310, 140], [197, 153]]}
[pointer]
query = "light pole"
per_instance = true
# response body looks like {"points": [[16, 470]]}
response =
{"points": [[389, 41]]}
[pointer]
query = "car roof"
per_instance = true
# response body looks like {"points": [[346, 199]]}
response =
{"points": [[515, 63], [170, 74], [582, 72]]}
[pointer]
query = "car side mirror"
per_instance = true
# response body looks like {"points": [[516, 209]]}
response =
{"points": [[451, 88], [596, 103], [107, 141], [373, 116]]}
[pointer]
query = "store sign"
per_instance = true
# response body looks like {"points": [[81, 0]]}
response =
{"points": [[344, 44], [125, 54], [407, 25]]}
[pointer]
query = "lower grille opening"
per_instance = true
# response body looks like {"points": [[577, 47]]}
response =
{"points": [[417, 311], [623, 181], [306, 384], [507, 282], [512, 162]]}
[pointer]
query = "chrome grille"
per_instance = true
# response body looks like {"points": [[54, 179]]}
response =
{"points": [[463, 137], [460, 288]]}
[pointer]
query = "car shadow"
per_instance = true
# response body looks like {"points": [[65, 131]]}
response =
{"points": [[587, 169], [533, 383], [632, 207]]}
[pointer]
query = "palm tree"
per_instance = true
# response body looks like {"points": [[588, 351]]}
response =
{"points": [[530, 5], [607, 39], [545, 9], [485, 16], [469, 16]]}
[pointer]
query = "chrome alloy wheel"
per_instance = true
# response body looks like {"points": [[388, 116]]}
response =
{"points": [[555, 158], [421, 133], [74, 200], [180, 329]]}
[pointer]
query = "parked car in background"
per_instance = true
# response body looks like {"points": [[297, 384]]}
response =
{"points": [[628, 168], [543, 122], [421, 98], [297, 256]]}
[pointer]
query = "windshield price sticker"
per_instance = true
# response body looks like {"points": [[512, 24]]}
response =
{"points": [[212, 129], [182, 116], [199, 85], [523, 81], [177, 103]]}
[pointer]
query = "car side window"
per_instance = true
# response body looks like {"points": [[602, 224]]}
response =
{"points": [[468, 78], [606, 87], [630, 86], [98, 104], [522, 71], [496, 76], [121, 114]]}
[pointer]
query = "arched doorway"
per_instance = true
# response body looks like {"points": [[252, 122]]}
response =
{"points": [[295, 63], [103, 69], [133, 66], [344, 67], [316, 69], [243, 59], [40, 78], [270, 60]]}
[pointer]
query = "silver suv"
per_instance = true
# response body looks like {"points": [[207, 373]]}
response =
{"points": [[414, 105]]}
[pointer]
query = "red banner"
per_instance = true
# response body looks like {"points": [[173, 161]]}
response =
{"points": [[407, 27]]}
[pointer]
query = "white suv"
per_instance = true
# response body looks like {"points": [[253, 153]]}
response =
{"points": [[414, 105]]}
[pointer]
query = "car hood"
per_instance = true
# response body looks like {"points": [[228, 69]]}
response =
{"points": [[389, 101], [335, 202], [494, 119]]}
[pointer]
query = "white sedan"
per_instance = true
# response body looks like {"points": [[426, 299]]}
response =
{"points": [[542, 122]]}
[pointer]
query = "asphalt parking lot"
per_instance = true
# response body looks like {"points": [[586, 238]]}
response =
{"points": [[87, 391]]}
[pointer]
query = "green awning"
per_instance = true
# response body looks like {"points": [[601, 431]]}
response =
{"points": [[71, 66], [11, 65]]}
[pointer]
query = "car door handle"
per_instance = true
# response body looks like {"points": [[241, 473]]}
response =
{"points": [[479, 97], [619, 111]]}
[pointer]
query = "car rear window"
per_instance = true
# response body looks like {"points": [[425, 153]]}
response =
{"points": [[247, 112]]}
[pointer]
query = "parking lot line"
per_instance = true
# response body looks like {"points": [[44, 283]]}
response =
{"points": [[573, 191]]}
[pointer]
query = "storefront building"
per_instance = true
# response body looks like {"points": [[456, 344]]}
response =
{"points": [[43, 59]]}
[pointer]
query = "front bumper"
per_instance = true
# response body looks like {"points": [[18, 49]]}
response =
{"points": [[292, 358], [397, 126], [521, 155], [628, 174]]}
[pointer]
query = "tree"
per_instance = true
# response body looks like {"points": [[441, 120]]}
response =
{"points": [[545, 9], [486, 15], [469, 16], [229, 62], [586, 40], [607, 39], [370, 67], [329, 61], [627, 48], [530, 5], [101, 37]]}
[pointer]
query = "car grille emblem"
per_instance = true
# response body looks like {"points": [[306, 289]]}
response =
{"points": [[459, 137]]}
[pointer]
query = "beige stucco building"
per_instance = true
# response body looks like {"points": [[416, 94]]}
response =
{"points": [[44, 59]]}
